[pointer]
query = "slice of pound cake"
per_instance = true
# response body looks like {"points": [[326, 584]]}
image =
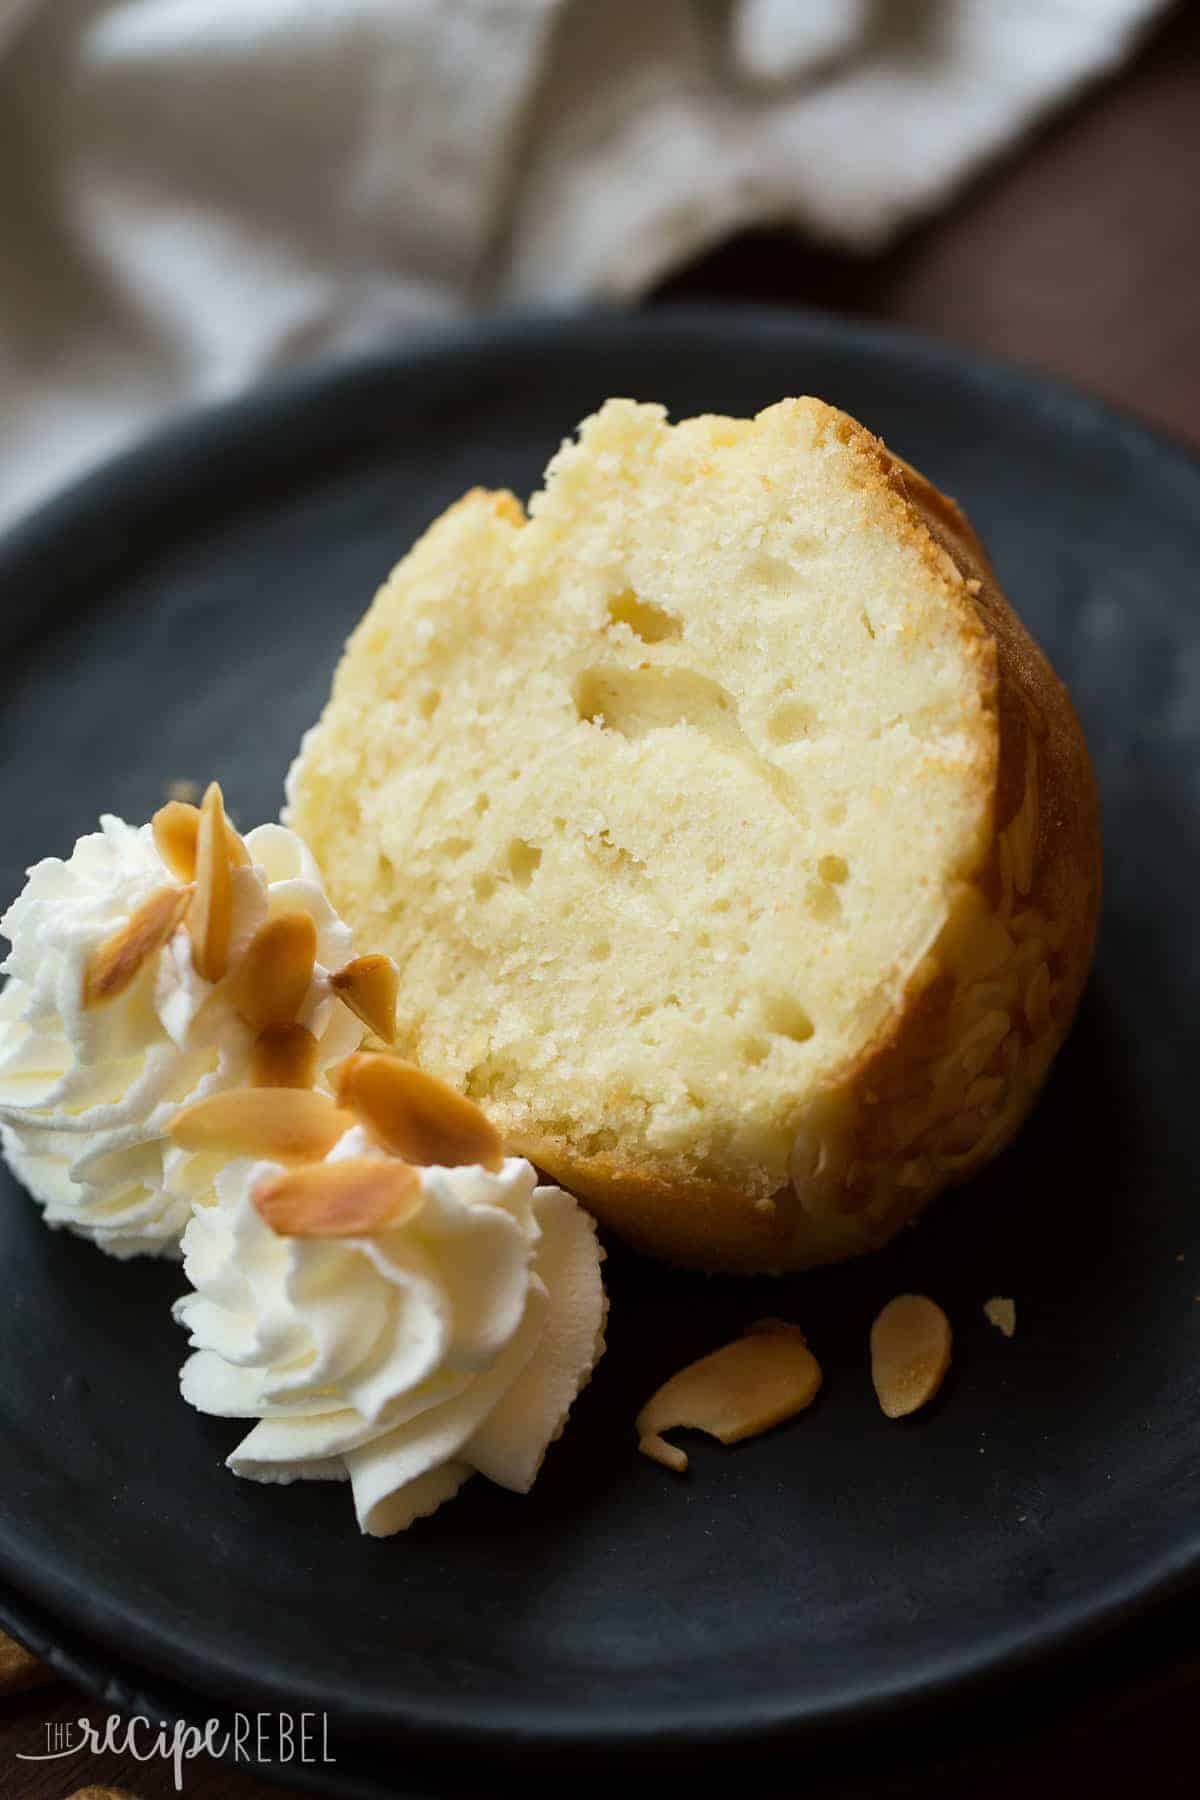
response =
{"points": [[738, 848]]}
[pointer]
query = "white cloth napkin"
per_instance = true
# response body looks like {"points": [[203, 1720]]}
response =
{"points": [[195, 192]]}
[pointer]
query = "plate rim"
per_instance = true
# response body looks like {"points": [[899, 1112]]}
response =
{"points": [[367, 1774], [88, 1657], [150, 468]]}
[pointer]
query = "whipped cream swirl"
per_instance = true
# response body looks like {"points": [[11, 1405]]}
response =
{"points": [[86, 1094], [405, 1361]]}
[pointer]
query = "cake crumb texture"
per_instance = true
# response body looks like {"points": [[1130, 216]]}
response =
{"points": [[665, 799]]}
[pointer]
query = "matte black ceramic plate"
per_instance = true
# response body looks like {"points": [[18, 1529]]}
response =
{"points": [[178, 616]]}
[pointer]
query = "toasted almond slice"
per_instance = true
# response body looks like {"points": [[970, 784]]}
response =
{"points": [[269, 982], [660, 1451], [175, 826], [369, 986], [1001, 1313], [239, 856], [118, 961], [341, 1199], [414, 1115], [286, 1124], [210, 917], [910, 1353], [284, 1056], [745, 1388]]}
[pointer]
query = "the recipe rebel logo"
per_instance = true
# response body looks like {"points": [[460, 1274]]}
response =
{"points": [[271, 1739]]}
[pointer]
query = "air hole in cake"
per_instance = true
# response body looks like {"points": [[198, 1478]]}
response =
{"points": [[601, 951], [791, 719], [835, 812], [523, 860], [557, 1124], [454, 846], [615, 856], [778, 572], [866, 619], [484, 886], [635, 701], [784, 1016], [822, 902], [429, 703], [754, 1050], [648, 622], [481, 804], [484, 1079], [834, 869]]}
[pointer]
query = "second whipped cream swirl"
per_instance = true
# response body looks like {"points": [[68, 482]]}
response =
{"points": [[407, 1359]]}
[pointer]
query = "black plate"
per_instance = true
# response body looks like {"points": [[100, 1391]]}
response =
{"points": [[178, 615]]}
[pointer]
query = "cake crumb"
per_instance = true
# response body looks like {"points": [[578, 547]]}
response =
{"points": [[1002, 1314]]}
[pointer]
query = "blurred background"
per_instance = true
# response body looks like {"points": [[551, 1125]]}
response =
{"points": [[198, 194]]}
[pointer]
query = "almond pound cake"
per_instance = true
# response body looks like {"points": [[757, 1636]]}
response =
{"points": [[738, 848]]}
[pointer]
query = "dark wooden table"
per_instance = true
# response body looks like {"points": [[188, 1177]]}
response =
{"points": [[1081, 257]]}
